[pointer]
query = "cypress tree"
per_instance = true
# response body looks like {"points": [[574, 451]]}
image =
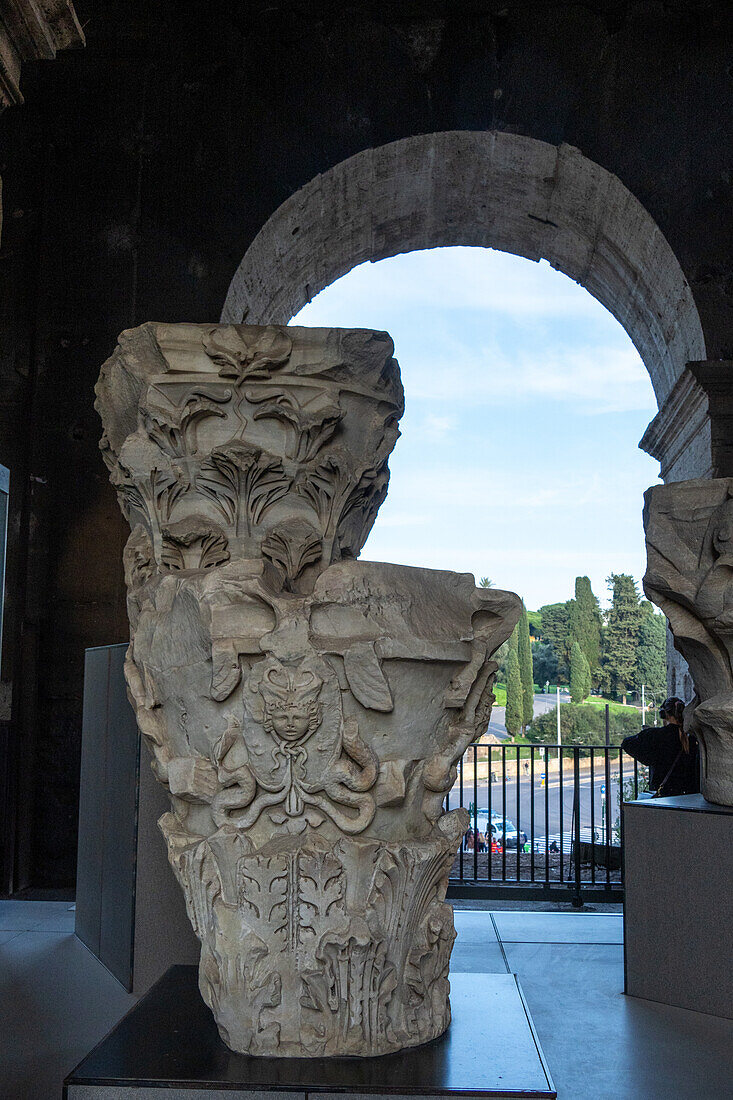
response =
{"points": [[524, 655], [578, 674], [621, 640], [588, 678], [586, 623], [514, 706], [651, 656]]}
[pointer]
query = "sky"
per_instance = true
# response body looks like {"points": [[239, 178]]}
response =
{"points": [[524, 404]]}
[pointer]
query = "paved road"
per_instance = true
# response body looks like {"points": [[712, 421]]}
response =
{"points": [[542, 703], [547, 796], [592, 810]]}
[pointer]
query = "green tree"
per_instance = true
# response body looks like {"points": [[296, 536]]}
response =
{"points": [[556, 631], [621, 639], [486, 582], [651, 655], [501, 657], [524, 655], [579, 675], [514, 702], [535, 625], [544, 663], [585, 624]]}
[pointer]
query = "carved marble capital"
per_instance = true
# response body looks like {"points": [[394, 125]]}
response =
{"points": [[689, 537], [305, 710]]}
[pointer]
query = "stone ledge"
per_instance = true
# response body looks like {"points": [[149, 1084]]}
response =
{"points": [[671, 434]]}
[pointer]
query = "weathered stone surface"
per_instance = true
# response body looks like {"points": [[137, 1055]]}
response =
{"points": [[483, 187], [689, 535], [306, 710], [30, 30]]}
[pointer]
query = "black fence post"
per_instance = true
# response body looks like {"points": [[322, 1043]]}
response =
{"points": [[572, 881], [577, 896]]}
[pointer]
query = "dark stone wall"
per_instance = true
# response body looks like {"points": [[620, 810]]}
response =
{"points": [[139, 170]]}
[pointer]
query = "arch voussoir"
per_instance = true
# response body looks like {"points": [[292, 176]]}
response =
{"points": [[481, 188]]}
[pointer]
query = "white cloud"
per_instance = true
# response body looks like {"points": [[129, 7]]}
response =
{"points": [[594, 379], [435, 428], [454, 278]]}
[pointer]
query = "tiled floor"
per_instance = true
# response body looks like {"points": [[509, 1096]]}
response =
{"points": [[598, 1043], [57, 1001]]}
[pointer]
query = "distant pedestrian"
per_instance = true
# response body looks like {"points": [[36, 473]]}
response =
{"points": [[672, 755]]}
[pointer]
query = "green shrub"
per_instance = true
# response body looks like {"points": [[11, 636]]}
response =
{"points": [[583, 725]]}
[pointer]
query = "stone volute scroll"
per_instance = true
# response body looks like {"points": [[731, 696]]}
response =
{"points": [[689, 538], [305, 710]]}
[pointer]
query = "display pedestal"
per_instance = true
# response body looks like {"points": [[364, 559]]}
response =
{"points": [[130, 911], [169, 1041], [678, 910]]}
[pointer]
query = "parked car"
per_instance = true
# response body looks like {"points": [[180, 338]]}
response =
{"points": [[503, 832]]}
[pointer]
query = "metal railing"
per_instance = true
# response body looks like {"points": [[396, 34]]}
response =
{"points": [[545, 821]]}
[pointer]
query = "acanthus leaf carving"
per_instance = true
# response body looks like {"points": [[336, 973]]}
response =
{"points": [[243, 482], [174, 429], [291, 547], [193, 543], [689, 538], [309, 426]]}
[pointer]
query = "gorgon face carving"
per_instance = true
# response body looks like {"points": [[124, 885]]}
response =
{"points": [[290, 700]]}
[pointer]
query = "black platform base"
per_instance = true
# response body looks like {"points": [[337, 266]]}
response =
{"points": [[169, 1041]]}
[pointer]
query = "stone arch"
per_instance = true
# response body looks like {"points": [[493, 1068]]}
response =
{"points": [[498, 190]]}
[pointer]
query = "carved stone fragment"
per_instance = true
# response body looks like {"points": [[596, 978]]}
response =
{"points": [[305, 710], [689, 536]]}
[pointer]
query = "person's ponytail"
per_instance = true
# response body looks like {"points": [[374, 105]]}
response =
{"points": [[674, 708]]}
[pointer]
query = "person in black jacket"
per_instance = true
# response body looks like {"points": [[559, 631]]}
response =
{"points": [[670, 754]]}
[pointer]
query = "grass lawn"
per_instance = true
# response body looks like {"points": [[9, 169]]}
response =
{"points": [[500, 694], [615, 708]]}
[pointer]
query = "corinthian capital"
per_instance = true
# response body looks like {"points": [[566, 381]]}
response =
{"points": [[689, 537], [305, 710]]}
